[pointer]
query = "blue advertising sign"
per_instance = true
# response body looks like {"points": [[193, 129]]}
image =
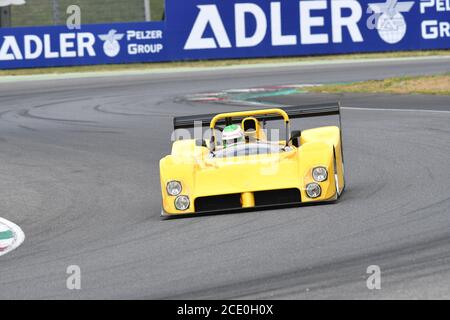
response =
{"points": [[217, 29], [205, 29], [92, 44]]}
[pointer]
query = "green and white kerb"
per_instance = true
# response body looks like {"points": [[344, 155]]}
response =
{"points": [[231, 135]]}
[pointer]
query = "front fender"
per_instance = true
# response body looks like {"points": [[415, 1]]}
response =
{"points": [[178, 169], [317, 154]]}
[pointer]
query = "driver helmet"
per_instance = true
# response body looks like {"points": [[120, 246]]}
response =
{"points": [[232, 134]]}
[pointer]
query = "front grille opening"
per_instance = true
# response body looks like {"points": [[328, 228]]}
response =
{"points": [[262, 199], [277, 197], [222, 202]]}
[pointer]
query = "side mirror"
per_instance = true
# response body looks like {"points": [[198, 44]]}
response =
{"points": [[295, 138]]}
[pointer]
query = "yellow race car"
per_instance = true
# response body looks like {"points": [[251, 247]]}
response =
{"points": [[207, 175]]}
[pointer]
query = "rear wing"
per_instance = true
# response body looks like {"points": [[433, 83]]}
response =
{"points": [[294, 112]]}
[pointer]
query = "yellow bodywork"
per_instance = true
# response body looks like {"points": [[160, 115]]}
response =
{"points": [[202, 176]]}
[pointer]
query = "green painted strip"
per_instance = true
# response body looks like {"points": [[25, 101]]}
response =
{"points": [[5, 235], [256, 95]]}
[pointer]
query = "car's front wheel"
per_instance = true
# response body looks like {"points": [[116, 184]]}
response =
{"points": [[336, 177]]}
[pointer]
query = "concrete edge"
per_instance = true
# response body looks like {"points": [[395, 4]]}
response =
{"points": [[162, 71]]}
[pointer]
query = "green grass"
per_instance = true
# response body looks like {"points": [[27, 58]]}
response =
{"points": [[157, 7], [433, 85], [40, 12], [217, 63]]}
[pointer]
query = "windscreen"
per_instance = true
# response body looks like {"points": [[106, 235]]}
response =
{"points": [[247, 149]]}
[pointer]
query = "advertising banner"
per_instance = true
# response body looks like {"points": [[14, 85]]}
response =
{"points": [[92, 44], [217, 29], [205, 29]]}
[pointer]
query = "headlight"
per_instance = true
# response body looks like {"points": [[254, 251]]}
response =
{"points": [[174, 188], [320, 174], [313, 190], [182, 203]]}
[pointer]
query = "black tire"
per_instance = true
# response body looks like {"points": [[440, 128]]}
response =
{"points": [[336, 178]]}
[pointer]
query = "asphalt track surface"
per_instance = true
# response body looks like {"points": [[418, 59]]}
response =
{"points": [[79, 174]]}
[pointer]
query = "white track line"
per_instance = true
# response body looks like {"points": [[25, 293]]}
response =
{"points": [[396, 110], [18, 237]]}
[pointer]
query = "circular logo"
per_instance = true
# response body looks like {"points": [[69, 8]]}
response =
{"points": [[111, 45], [111, 48], [392, 29]]}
